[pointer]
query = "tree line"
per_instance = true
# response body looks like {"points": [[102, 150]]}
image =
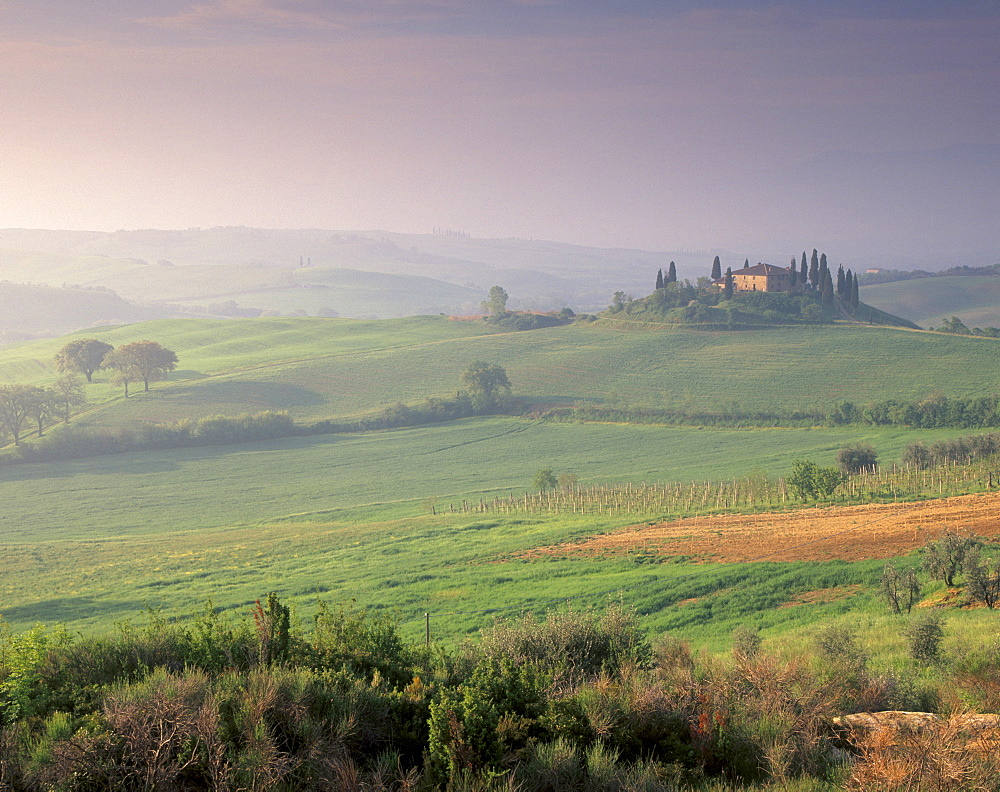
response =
{"points": [[932, 412], [486, 390], [38, 407]]}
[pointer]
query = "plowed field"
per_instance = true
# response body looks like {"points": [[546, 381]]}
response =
{"points": [[849, 533]]}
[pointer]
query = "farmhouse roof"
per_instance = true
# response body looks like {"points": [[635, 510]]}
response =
{"points": [[762, 269]]}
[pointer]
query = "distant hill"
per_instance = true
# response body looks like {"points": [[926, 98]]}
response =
{"points": [[930, 301], [29, 311], [352, 273]]}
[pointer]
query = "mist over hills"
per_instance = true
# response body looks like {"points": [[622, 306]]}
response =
{"points": [[230, 270]]}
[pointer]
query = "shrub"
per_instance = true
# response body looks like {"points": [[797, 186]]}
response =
{"points": [[924, 636], [858, 458], [570, 643]]}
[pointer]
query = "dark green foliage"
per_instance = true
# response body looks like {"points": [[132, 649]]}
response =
{"points": [[716, 268], [671, 274], [857, 458], [924, 636], [273, 630], [659, 279]]}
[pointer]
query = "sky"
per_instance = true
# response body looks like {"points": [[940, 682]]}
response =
{"points": [[872, 128]]}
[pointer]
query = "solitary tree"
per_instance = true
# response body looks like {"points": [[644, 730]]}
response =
{"points": [[716, 268], [147, 360], [485, 382], [544, 480], [496, 303], [84, 356]]}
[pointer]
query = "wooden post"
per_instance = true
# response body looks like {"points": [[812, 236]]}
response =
{"points": [[427, 629]]}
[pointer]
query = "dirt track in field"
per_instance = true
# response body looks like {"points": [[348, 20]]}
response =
{"points": [[849, 533]]}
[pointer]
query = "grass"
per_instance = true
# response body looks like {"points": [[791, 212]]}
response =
{"points": [[92, 541], [199, 488], [320, 368], [929, 301]]}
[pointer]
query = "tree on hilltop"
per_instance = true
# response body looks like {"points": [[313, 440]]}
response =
{"points": [[659, 279], [671, 274], [84, 356], [716, 268]]}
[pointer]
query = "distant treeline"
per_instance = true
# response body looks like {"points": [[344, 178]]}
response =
{"points": [[892, 275], [72, 442], [934, 412]]}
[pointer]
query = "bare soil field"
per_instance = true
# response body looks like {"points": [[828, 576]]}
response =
{"points": [[849, 533]]}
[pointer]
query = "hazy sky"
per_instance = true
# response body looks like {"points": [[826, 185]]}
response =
{"points": [[641, 123]]}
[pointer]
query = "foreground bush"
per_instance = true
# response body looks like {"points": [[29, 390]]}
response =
{"points": [[578, 700]]}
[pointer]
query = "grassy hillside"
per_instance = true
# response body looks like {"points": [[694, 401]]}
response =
{"points": [[93, 540], [929, 301], [318, 368]]}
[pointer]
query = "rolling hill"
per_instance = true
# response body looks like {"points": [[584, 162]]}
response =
{"points": [[930, 301], [391, 517]]}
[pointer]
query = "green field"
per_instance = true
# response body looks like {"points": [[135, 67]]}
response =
{"points": [[91, 541], [320, 368]]}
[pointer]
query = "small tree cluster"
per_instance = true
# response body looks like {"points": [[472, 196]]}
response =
{"points": [[857, 458], [810, 481]]}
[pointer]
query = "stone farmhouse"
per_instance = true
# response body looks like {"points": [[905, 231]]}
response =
{"points": [[763, 277]]}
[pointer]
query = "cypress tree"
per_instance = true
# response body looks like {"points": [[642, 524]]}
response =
{"points": [[746, 264], [728, 290], [659, 279], [716, 269], [841, 281], [793, 273], [671, 274], [814, 270], [826, 289], [803, 279], [854, 293]]}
